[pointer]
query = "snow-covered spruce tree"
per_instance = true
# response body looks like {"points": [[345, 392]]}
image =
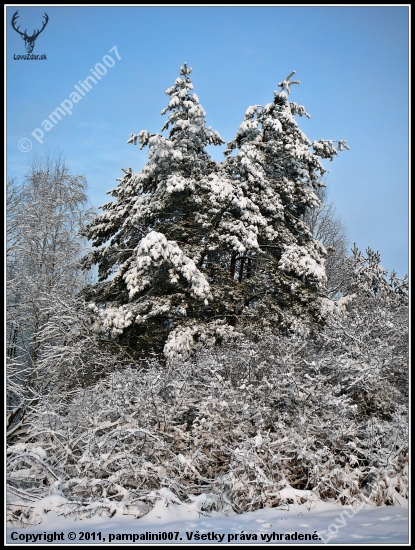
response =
{"points": [[152, 239], [276, 173], [190, 249]]}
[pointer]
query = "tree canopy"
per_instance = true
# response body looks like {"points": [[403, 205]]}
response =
{"points": [[192, 249]]}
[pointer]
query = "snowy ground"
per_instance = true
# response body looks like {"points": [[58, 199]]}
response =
{"points": [[328, 523]]}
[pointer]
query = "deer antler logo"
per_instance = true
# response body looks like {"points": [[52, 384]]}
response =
{"points": [[29, 41]]}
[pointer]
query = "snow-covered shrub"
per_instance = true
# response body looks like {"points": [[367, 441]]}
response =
{"points": [[250, 425]]}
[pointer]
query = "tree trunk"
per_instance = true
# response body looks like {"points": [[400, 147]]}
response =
{"points": [[233, 265]]}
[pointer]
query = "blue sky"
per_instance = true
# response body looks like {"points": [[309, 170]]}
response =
{"points": [[352, 63]]}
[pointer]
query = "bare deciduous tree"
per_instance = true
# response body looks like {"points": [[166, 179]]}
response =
{"points": [[328, 228], [44, 216]]}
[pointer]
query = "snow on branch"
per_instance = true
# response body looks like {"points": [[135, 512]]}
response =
{"points": [[285, 84], [297, 259], [155, 250]]}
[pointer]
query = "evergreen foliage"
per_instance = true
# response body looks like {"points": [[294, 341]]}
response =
{"points": [[191, 249]]}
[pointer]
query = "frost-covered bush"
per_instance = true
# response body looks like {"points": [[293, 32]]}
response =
{"points": [[262, 421], [248, 425], [44, 216]]}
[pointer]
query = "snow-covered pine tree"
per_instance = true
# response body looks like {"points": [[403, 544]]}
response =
{"points": [[276, 172], [152, 239], [189, 249]]}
